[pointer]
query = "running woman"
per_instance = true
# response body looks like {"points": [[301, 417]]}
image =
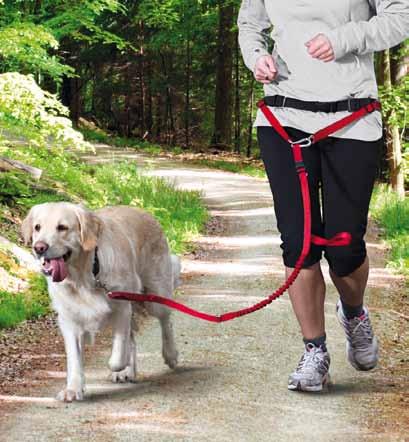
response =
{"points": [[323, 52]]}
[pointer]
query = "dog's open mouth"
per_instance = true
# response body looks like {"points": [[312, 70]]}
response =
{"points": [[56, 267]]}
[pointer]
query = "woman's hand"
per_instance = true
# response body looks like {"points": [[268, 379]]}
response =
{"points": [[320, 47], [265, 70]]}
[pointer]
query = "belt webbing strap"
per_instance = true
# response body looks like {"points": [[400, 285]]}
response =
{"points": [[350, 104]]}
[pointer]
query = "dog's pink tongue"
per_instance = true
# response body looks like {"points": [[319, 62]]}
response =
{"points": [[58, 269]]}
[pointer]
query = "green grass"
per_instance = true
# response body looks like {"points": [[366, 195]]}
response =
{"points": [[99, 136], [31, 304], [232, 166], [392, 215]]}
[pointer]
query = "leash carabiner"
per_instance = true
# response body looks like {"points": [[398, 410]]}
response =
{"points": [[303, 142]]}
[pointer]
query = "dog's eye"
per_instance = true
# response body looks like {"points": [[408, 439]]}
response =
{"points": [[61, 227], [37, 227]]}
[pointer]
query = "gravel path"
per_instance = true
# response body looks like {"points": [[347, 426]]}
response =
{"points": [[231, 381]]}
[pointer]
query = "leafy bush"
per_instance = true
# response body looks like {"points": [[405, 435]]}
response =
{"points": [[13, 185], [392, 214], [28, 111], [24, 47]]}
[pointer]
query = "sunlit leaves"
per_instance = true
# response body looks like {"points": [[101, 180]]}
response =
{"points": [[25, 47], [28, 112]]}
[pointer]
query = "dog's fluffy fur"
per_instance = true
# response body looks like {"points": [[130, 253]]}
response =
{"points": [[134, 256]]}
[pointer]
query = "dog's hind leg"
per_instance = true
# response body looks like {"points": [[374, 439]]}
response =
{"points": [[169, 352], [160, 279], [162, 313], [129, 373], [121, 335]]}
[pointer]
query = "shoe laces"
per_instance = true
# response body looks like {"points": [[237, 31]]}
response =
{"points": [[360, 331], [312, 358]]}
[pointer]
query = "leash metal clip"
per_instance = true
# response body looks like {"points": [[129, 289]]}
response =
{"points": [[303, 142]]}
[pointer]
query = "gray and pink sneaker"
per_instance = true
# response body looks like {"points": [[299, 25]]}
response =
{"points": [[362, 345]]}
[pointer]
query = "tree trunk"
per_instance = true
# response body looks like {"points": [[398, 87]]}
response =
{"points": [[187, 102], [142, 83], [169, 115], [148, 99], [70, 96], [237, 119], [223, 110], [250, 120], [393, 141], [158, 120], [6, 164]]}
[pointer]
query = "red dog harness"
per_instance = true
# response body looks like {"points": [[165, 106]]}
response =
{"points": [[341, 239]]}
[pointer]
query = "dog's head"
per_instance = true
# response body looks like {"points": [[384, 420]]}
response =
{"points": [[58, 234]]}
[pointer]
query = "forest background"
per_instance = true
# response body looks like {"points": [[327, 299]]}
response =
{"points": [[146, 73], [165, 71]]}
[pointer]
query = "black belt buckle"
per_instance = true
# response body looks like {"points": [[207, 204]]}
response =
{"points": [[350, 105]]}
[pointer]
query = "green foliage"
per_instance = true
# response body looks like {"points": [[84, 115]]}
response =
{"points": [[395, 104], [14, 186], [18, 189], [30, 112], [392, 214], [25, 47], [17, 307], [78, 20], [12, 309]]}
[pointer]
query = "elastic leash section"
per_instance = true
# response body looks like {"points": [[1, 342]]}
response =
{"points": [[341, 239]]}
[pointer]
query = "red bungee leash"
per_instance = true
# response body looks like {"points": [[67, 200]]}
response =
{"points": [[341, 239]]}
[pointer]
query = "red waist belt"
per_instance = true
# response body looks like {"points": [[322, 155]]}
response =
{"points": [[341, 239]]}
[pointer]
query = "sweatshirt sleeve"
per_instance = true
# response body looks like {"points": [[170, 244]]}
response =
{"points": [[253, 24], [389, 27]]}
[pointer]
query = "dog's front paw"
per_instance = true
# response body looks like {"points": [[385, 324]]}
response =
{"points": [[118, 361], [126, 375], [68, 395]]}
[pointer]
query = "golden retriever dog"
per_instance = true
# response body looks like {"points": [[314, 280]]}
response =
{"points": [[86, 254]]}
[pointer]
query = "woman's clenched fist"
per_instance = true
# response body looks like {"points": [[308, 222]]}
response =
{"points": [[265, 70]]}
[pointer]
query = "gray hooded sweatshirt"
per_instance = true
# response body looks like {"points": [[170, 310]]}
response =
{"points": [[355, 28]]}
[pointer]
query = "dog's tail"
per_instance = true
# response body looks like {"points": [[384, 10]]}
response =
{"points": [[176, 269]]}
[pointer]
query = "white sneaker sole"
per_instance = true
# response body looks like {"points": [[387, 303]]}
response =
{"points": [[300, 386]]}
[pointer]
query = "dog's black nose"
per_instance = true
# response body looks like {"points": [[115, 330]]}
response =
{"points": [[40, 247]]}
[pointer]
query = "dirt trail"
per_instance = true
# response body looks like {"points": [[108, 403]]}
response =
{"points": [[231, 381]]}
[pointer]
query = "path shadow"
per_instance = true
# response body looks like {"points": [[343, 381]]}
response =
{"points": [[364, 386], [186, 377]]}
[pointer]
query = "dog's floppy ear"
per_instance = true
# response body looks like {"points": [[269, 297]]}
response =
{"points": [[90, 227], [27, 228]]}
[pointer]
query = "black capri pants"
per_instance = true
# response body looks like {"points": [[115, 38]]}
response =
{"points": [[341, 175]]}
